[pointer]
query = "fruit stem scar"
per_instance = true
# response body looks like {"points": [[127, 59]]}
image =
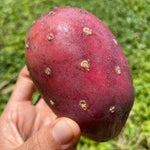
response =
{"points": [[87, 31], [48, 71], [83, 104]]}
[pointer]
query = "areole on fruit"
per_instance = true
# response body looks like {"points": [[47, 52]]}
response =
{"points": [[112, 109], [118, 70], [48, 71], [50, 37], [52, 103], [115, 41], [87, 31], [27, 45], [85, 64], [83, 104], [51, 13]]}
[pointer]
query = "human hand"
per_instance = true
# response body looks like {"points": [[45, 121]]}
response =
{"points": [[24, 126]]}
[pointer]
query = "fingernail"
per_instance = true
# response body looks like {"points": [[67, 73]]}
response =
{"points": [[62, 132]]}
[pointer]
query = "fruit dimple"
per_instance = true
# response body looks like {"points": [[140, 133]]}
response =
{"points": [[87, 31], [83, 104]]}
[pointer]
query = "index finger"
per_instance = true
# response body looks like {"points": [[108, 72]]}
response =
{"points": [[24, 87]]}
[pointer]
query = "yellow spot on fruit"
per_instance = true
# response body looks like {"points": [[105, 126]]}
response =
{"points": [[50, 37], [48, 71], [83, 104], [88, 31], [112, 109], [118, 70], [115, 41], [52, 102], [85, 64]]}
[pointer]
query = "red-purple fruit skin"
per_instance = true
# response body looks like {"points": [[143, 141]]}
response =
{"points": [[80, 70]]}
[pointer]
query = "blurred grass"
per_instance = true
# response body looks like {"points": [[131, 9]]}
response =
{"points": [[129, 20]]}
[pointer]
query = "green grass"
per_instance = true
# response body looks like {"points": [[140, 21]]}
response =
{"points": [[129, 20]]}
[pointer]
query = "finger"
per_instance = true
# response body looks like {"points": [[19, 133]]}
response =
{"points": [[24, 87], [62, 135], [74, 147], [42, 105]]}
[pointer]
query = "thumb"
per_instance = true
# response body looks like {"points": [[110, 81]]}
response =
{"points": [[62, 135]]}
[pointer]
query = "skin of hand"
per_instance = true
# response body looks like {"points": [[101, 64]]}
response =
{"points": [[24, 126]]}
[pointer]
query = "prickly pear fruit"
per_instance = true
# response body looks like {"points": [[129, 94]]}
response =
{"points": [[80, 70]]}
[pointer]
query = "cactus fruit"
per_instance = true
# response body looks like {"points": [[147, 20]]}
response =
{"points": [[80, 70]]}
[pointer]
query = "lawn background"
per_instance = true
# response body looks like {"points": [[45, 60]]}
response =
{"points": [[129, 20]]}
